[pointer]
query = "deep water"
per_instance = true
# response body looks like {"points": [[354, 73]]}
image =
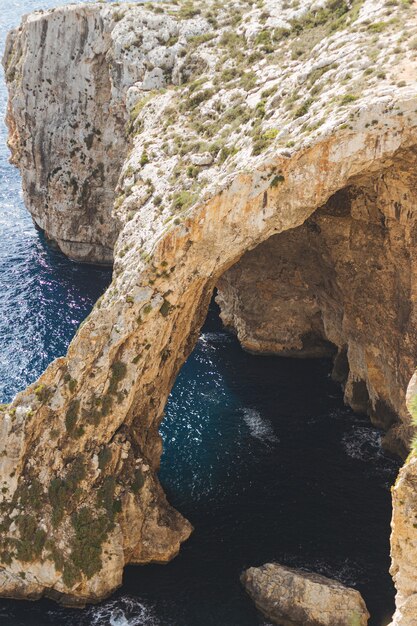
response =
{"points": [[260, 455]]}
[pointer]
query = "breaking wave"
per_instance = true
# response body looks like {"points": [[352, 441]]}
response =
{"points": [[124, 611]]}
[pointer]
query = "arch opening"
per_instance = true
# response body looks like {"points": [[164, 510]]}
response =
{"points": [[268, 464], [331, 289], [339, 285]]}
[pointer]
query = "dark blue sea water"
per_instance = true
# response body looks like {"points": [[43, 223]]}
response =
{"points": [[260, 452]]}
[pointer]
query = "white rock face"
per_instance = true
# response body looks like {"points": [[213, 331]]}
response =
{"points": [[202, 159], [297, 598], [69, 163], [68, 113]]}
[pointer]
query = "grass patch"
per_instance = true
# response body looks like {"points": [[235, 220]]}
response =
{"points": [[348, 98], [303, 108], [71, 416], [261, 140]]}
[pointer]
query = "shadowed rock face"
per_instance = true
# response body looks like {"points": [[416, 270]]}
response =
{"points": [[341, 281], [222, 152]]}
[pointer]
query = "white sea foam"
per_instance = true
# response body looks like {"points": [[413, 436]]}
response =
{"points": [[258, 426], [346, 572], [362, 443], [215, 338], [124, 611]]}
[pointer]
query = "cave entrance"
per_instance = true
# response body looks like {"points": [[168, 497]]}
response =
{"points": [[337, 286]]}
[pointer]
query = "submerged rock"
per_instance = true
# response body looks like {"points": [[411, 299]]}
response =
{"points": [[292, 597]]}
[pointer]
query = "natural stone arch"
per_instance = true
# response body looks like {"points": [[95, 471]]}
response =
{"points": [[81, 446], [121, 365]]}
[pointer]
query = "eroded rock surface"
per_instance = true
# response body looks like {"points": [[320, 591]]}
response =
{"points": [[292, 105], [404, 529], [68, 112], [293, 597]]}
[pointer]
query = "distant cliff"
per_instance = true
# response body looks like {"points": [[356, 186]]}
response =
{"points": [[178, 137]]}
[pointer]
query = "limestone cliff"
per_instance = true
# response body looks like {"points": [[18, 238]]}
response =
{"points": [[404, 529], [242, 121]]}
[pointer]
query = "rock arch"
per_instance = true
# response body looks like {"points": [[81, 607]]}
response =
{"points": [[106, 398], [340, 285], [80, 447]]}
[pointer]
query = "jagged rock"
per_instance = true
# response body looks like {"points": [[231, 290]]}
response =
{"points": [[201, 159], [290, 120], [297, 598], [404, 529], [154, 79]]}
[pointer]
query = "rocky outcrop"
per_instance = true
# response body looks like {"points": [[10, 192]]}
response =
{"points": [[70, 162], [292, 107], [297, 598]]}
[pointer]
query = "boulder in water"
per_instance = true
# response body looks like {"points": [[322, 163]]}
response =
{"points": [[292, 597]]}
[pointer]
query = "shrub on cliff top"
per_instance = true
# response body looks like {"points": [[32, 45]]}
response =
{"points": [[333, 13], [58, 493], [118, 372], [303, 109], [196, 99], [261, 140], [32, 538], [347, 99], [30, 494], [138, 481], [43, 393], [183, 199]]}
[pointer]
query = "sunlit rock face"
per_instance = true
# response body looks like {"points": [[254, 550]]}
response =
{"points": [[341, 285], [68, 117], [67, 127], [289, 596], [241, 121]]}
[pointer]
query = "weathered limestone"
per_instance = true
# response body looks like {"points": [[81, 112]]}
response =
{"points": [[293, 597], [292, 108], [70, 163]]}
